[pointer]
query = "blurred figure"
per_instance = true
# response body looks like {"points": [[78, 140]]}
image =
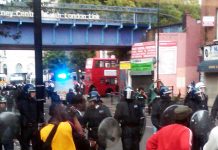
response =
{"points": [[55, 98], [196, 99], [141, 97], [93, 117], [176, 136], [213, 140], [159, 105], [69, 97], [77, 107], [29, 117], [94, 93], [131, 118], [214, 110], [63, 138], [10, 128]]}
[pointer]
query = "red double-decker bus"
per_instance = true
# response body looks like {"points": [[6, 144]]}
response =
{"points": [[103, 74]]}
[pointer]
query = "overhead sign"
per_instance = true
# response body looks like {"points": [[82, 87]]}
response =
{"points": [[125, 65], [211, 52], [141, 64], [46, 15], [208, 21], [143, 50]]}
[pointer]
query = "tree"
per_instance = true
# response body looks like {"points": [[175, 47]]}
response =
{"points": [[78, 58], [54, 60]]}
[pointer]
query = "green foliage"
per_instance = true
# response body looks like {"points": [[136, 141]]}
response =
{"points": [[171, 11], [54, 60], [78, 58]]}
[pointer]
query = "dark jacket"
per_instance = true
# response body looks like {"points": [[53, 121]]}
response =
{"points": [[158, 107], [92, 119], [28, 112]]}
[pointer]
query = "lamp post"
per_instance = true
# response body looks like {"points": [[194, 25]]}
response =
{"points": [[158, 41], [38, 58]]}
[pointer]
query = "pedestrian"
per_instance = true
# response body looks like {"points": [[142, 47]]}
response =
{"points": [[175, 136], [70, 95], [131, 118], [92, 119], [159, 105], [78, 107], [62, 138], [94, 93], [213, 140], [141, 97], [55, 98], [29, 117]]}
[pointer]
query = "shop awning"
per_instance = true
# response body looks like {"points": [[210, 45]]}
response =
{"points": [[208, 66]]}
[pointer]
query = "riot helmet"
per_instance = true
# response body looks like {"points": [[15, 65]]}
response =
{"points": [[176, 114], [201, 124], [129, 94], [201, 86], [26, 87], [165, 91]]}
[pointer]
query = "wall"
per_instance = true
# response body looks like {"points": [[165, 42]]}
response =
{"points": [[188, 44], [209, 8]]}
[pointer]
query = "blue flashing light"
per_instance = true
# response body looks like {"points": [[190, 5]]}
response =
{"points": [[62, 75]]}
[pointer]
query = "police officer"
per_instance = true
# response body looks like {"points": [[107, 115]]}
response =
{"points": [[29, 119], [130, 115], [93, 116], [196, 98], [160, 105]]}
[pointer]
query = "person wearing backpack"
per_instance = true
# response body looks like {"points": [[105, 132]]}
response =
{"points": [[57, 134]]}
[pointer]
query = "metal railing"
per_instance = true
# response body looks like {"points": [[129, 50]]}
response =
{"points": [[106, 14]]}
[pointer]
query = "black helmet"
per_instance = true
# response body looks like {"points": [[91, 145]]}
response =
{"points": [[26, 87], [164, 91], [200, 123], [175, 113], [129, 93]]}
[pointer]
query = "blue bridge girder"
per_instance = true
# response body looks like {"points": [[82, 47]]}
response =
{"points": [[76, 26]]}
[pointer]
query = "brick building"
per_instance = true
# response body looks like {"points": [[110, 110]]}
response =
{"points": [[208, 67]]}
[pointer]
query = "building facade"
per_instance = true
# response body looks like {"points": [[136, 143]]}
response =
{"points": [[18, 62], [208, 66]]}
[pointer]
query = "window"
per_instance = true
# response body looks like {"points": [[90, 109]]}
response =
{"points": [[5, 70], [107, 64], [99, 64], [19, 68]]}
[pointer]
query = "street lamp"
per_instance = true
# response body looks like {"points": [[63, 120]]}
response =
{"points": [[158, 39], [38, 58]]}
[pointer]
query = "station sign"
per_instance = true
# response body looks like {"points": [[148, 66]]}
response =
{"points": [[141, 65], [48, 15]]}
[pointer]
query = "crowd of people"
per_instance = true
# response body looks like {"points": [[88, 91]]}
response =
{"points": [[180, 126]]}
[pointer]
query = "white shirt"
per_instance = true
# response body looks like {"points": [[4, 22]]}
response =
{"points": [[212, 143]]}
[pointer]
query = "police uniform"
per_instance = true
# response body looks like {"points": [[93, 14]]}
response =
{"points": [[158, 107], [129, 115], [92, 118]]}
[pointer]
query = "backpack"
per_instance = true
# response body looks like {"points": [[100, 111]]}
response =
{"points": [[47, 144]]}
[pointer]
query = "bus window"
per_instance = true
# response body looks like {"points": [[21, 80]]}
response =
{"points": [[107, 64], [113, 64], [99, 64]]}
